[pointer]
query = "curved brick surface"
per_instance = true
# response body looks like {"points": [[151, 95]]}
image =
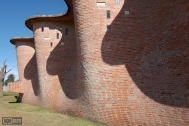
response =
{"points": [[136, 72], [65, 17], [56, 62], [27, 69], [24, 46], [55, 44], [106, 94]]}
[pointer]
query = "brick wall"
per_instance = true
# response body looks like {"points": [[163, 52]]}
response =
{"points": [[27, 68], [16, 86], [136, 72], [56, 63]]}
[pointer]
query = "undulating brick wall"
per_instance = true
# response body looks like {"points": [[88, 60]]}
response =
{"points": [[27, 69], [137, 71], [55, 46], [128, 68]]}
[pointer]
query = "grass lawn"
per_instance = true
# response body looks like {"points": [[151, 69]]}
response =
{"points": [[37, 116], [9, 94]]}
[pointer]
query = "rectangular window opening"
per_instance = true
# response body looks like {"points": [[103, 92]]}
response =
{"points": [[51, 44], [62, 43], [126, 12], [108, 14], [57, 35], [42, 29], [66, 31], [100, 3], [117, 2], [47, 38], [108, 27]]}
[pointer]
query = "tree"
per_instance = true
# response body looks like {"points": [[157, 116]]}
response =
{"points": [[10, 78], [3, 72]]}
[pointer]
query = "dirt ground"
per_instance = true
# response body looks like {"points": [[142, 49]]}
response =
{"points": [[37, 116]]}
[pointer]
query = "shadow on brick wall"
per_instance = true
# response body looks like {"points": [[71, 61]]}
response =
{"points": [[30, 73], [153, 43], [63, 62]]}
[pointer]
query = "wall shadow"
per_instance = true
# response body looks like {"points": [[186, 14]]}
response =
{"points": [[18, 99], [62, 61], [30, 73], [153, 43]]}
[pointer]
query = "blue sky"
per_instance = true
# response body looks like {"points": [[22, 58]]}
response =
{"points": [[13, 14]]}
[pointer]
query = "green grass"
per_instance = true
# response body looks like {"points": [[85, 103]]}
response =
{"points": [[38, 109], [38, 116], [9, 94]]}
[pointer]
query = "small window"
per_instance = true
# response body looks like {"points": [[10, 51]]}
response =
{"points": [[62, 43], [51, 44], [57, 35], [47, 38], [126, 12], [66, 32], [108, 27], [117, 2], [108, 14], [42, 29], [100, 3]]}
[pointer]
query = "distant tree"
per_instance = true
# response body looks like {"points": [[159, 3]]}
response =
{"points": [[10, 78], [3, 72]]}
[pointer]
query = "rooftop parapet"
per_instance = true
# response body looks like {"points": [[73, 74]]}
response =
{"points": [[21, 39], [64, 17]]}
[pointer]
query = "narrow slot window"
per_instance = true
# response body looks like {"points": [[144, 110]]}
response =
{"points": [[108, 27], [108, 14], [117, 2], [42, 29], [51, 44], [57, 35], [66, 32]]}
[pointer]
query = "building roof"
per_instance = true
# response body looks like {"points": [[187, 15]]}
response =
{"points": [[21, 39], [64, 17]]}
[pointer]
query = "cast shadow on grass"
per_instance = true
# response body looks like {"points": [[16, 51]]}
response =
{"points": [[18, 99]]}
